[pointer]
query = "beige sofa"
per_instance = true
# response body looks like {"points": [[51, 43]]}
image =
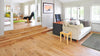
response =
{"points": [[77, 32]]}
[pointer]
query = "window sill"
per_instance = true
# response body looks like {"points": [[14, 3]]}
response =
{"points": [[96, 22]]}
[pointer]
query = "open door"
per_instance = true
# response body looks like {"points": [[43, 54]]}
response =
{"points": [[8, 16]]}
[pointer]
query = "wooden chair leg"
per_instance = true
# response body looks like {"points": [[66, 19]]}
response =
{"points": [[64, 36], [77, 40], [70, 38], [27, 20], [67, 39], [60, 37]]}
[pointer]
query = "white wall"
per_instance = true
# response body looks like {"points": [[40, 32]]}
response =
{"points": [[58, 8], [1, 17], [47, 19]]}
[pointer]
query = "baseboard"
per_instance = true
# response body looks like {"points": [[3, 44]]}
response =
{"points": [[95, 32]]}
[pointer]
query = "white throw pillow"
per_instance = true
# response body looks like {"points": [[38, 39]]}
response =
{"points": [[74, 22], [77, 22]]}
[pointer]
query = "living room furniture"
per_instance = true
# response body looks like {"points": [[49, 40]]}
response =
{"points": [[57, 28], [29, 17], [77, 32], [66, 35]]}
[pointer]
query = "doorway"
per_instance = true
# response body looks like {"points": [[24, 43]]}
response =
{"points": [[19, 10], [8, 16]]}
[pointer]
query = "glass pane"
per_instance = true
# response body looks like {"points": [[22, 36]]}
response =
{"points": [[26, 10], [96, 13], [75, 13], [67, 13], [32, 8], [81, 13]]}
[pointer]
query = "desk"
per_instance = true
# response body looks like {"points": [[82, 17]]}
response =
{"points": [[57, 28]]}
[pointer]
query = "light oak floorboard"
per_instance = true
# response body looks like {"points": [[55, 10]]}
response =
{"points": [[44, 44]]}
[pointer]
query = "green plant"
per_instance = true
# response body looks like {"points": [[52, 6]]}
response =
{"points": [[7, 14]]}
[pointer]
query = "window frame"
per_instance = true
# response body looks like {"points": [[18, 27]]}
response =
{"points": [[78, 12]]}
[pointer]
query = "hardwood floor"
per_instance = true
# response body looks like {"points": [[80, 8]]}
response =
{"points": [[37, 42], [22, 30], [22, 25]]}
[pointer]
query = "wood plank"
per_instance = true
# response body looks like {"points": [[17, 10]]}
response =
{"points": [[6, 37], [20, 30], [40, 43], [20, 38]]}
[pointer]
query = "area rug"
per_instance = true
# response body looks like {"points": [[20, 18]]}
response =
{"points": [[93, 42], [19, 21]]}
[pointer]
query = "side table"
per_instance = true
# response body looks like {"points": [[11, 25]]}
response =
{"points": [[66, 35]]}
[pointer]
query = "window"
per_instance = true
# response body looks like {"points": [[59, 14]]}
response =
{"points": [[81, 13], [95, 13], [74, 12], [67, 13], [32, 8], [26, 11], [39, 9]]}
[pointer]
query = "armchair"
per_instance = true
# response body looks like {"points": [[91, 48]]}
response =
{"points": [[29, 17]]}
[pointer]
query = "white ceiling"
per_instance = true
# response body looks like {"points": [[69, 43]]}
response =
{"points": [[69, 0], [23, 1], [20, 1]]}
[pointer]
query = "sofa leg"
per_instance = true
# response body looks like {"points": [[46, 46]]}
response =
{"points": [[77, 40]]}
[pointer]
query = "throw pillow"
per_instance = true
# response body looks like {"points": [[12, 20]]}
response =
{"points": [[85, 23], [77, 22], [74, 22], [81, 26]]}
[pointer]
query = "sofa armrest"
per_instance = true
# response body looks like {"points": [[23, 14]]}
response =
{"points": [[72, 29], [76, 31]]}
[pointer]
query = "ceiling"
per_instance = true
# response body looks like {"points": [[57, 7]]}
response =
{"points": [[69, 0], [21, 1]]}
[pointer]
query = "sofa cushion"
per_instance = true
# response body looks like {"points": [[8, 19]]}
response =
{"points": [[75, 26], [85, 23], [84, 31]]}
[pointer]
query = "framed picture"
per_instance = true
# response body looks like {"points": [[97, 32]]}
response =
{"points": [[47, 8]]}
